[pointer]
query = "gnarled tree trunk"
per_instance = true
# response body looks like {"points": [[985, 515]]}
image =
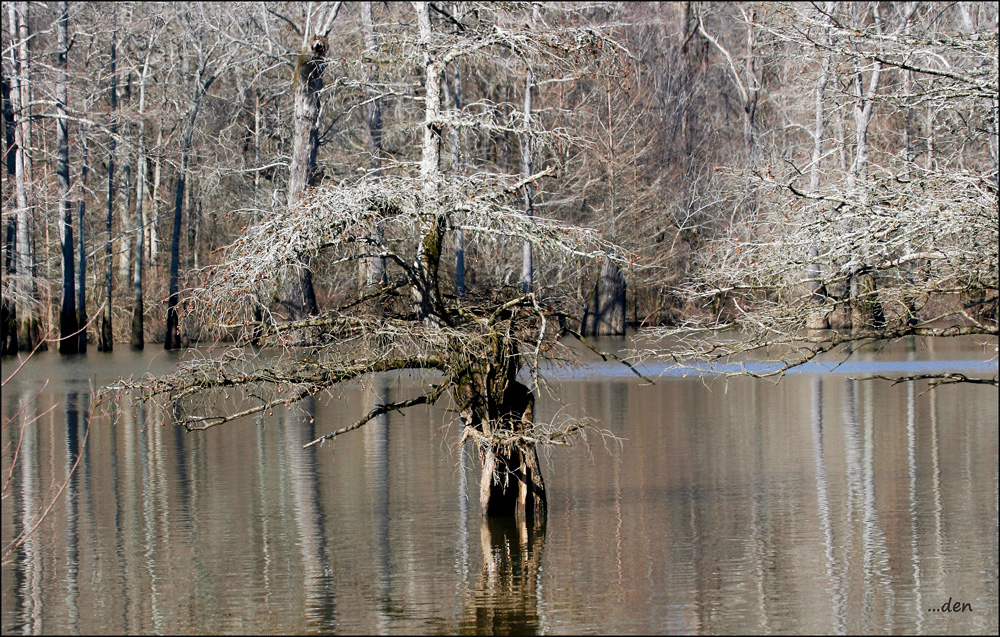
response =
{"points": [[498, 407]]}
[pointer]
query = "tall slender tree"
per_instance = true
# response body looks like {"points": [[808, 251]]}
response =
{"points": [[69, 343], [106, 341]]}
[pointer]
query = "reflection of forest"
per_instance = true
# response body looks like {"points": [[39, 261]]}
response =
{"points": [[506, 600], [820, 504]]}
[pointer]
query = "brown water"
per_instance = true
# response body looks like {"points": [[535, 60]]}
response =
{"points": [[817, 504]]}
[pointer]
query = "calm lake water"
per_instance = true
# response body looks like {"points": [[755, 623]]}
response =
{"points": [[818, 504]]}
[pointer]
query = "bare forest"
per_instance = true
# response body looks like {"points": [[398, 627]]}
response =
{"points": [[462, 186]]}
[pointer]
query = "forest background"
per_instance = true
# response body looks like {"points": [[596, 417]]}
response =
{"points": [[745, 156]]}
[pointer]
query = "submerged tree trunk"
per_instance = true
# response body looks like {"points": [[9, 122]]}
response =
{"points": [[500, 409], [137, 340], [28, 327], [605, 314], [105, 342], [8, 314], [172, 339], [68, 341]]}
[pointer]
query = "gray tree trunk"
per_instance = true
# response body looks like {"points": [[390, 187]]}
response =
{"points": [[818, 319], [605, 314], [8, 315], [172, 339], [28, 332], [81, 272], [137, 341], [105, 342], [455, 144], [68, 341], [866, 310], [527, 264], [296, 294], [426, 290], [374, 267]]}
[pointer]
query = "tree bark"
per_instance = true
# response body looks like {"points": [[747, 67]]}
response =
{"points": [[8, 314], [137, 341], [605, 314], [374, 267], [81, 272], [818, 319], [296, 294], [527, 264], [494, 403], [426, 290], [69, 343], [455, 143], [28, 328], [106, 341], [172, 338], [866, 310]]}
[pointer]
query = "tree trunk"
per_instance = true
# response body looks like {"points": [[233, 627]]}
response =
{"points": [[106, 341], [426, 291], [137, 341], [818, 319], [527, 265], [373, 268], [69, 343], [8, 314], [605, 314], [81, 272], [154, 197], [28, 332], [296, 294], [494, 403], [455, 143], [866, 310], [172, 339]]}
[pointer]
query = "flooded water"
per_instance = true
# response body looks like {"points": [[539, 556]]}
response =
{"points": [[818, 504]]}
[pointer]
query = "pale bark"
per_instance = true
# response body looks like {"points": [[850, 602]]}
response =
{"points": [[296, 294], [375, 266], [67, 315], [455, 142], [8, 316], [81, 271], [426, 293], [818, 319], [28, 335], [866, 311], [137, 340], [527, 264]]}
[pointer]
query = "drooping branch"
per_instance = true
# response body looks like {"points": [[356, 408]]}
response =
{"points": [[424, 399]]}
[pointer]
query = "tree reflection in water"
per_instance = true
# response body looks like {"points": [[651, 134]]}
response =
{"points": [[506, 600]]}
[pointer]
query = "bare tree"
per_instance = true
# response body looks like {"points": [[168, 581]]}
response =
{"points": [[478, 343], [68, 341], [29, 332], [106, 341], [297, 295], [876, 223]]}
